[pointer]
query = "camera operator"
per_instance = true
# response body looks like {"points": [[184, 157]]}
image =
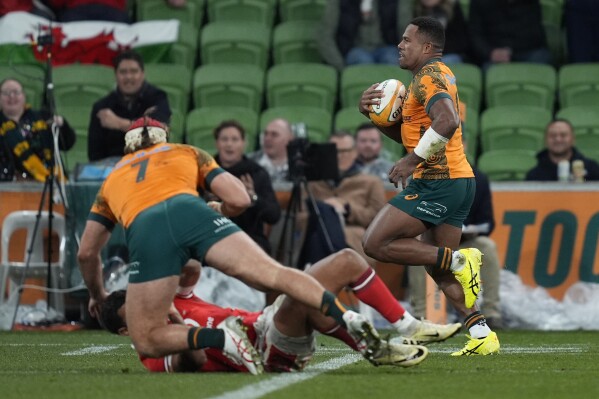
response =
{"points": [[26, 141], [356, 197]]}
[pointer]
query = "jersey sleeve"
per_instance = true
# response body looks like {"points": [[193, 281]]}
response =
{"points": [[208, 169], [433, 87], [101, 212]]}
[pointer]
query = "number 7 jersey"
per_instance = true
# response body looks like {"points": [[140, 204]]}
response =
{"points": [[149, 176]]}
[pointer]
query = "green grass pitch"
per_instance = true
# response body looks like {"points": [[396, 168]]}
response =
{"points": [[95, 364]]}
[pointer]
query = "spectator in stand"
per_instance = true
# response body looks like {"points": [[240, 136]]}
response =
{"points": [[356, 197], [449, 13], [273, 155], [507, 31], [582, 17], [30, 6], [362, 31], [479, 224], [91, 10], [26, 140], [369, 145], [264, 209], [133, 98], [559, 147]]}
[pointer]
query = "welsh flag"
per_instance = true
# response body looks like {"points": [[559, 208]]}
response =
{"points": [[85, 42]]}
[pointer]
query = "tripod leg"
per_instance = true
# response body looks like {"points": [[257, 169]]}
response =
{"points": [[321, 223]]}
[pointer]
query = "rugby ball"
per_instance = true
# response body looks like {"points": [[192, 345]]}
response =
{"points": [[388, 112]]}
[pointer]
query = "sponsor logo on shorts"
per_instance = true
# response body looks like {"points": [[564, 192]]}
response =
{"points": [[433, 209], [411, 197], [222, 223], [134, 267]]}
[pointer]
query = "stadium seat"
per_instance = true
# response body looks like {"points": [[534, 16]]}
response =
{"points": [[507, 165], [74, 85], [470, 130], [295, 41], [301, 10], [349, 119], [77, 154], [232, 42], [357, 78], [585, 121], [175, 80], [465, 4], [32, 79], [317, 120], [201, 122], [579, 85], [242, 11], [78, 117], [192, 13], [521, 84], [184, 51], [228, 85], [513, 127], [552, 12], [177, 127], [313, 85], [469, 80]]}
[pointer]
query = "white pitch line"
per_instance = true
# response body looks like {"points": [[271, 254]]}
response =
{"points": [[507, 349], [281, 381], [91, 350]]}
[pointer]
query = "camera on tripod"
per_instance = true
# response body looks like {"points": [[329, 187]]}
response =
{"points": [[312, 161]]}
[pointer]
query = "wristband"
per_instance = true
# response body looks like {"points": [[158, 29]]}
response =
{"points": [[430, 143]]}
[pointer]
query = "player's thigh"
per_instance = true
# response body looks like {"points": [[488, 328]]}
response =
{"points": [[237, 255], [148, 304], [392, 223]]}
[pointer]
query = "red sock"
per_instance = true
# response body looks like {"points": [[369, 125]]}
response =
{"points": [[341, 334], [371, 290]]}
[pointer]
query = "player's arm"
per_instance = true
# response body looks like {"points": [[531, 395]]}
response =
{"points": [[445, 121], [232, 193], [372, 96], [94, 237]]}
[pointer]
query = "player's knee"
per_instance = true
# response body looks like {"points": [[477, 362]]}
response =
{"points": [[146, 346], [371, 246], [351, 259]]}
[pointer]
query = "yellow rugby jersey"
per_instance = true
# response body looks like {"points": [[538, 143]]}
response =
{"points": [[432, 83], [147, 177]]}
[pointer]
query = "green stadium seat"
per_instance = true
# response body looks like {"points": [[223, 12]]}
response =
{"points": [[513, 127], [31, 77], [507, 165], [242, 11], [585, 120], [317, 120], [521, 84], [78, 117], [177, 127], [228, 85], [469, 80], [552, 12], [192, 13], [175, 80], [184, 51], [313, 85], [82, 84], [465, 4], [357, 78], [77, 154], [579, 85], [349, 119], [201, 122], [232, 42], [295, 41], [301, 10], [471, 131]]}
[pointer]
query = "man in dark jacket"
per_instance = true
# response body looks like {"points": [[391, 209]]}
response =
{"points": [[507, 31], [133, 98], [559, 142]]}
